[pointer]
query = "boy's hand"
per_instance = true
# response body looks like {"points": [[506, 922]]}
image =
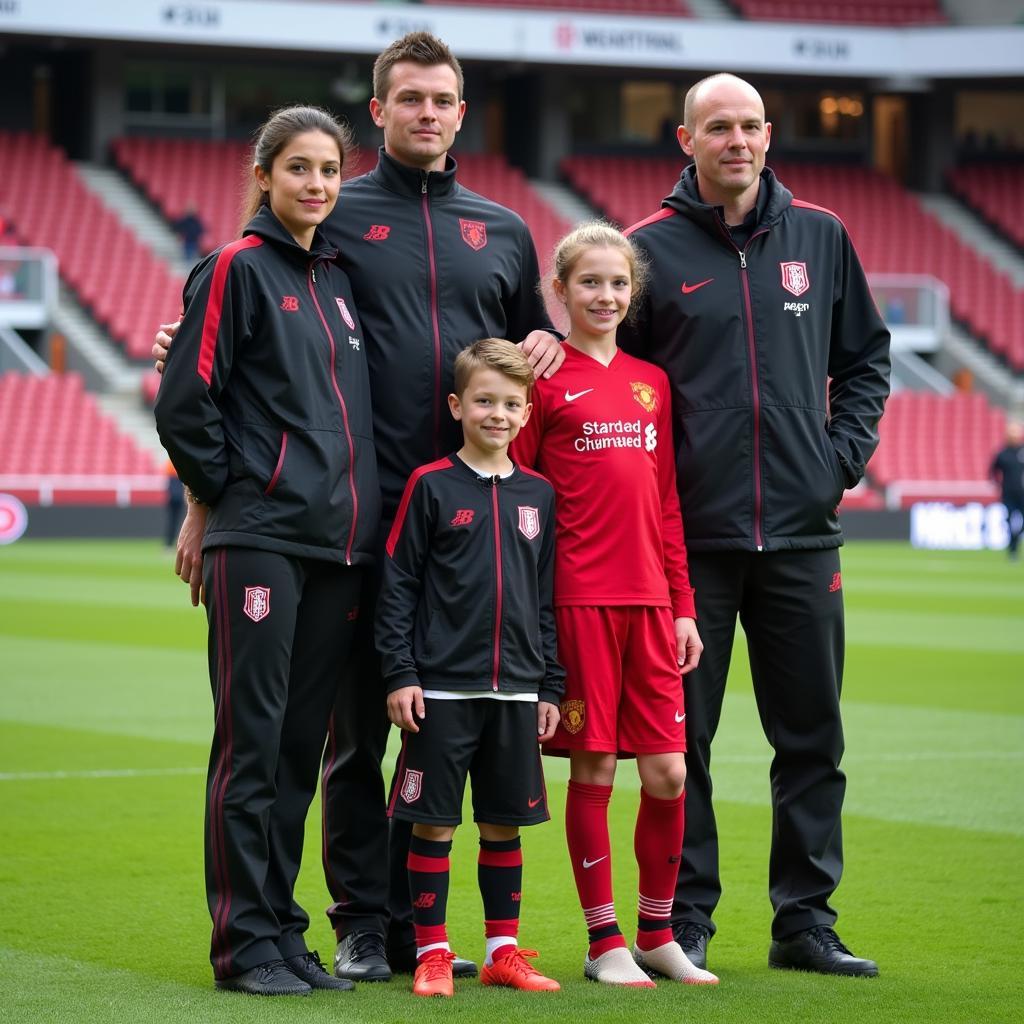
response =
{"points": [[547, 720], [188, 562], [543, 351], [162, 343], [403, 704], [688, 645]]}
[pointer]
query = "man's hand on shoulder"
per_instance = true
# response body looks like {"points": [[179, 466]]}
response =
{"points": [[544, 352]]}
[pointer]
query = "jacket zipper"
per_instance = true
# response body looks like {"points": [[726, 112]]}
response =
{"points": [[755, 385], [344, 415], [496, 661], [434, 315]]}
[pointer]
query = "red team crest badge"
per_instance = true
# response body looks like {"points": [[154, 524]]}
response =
{"points": [[794, 277], [257, 603], [345, 314], [412, 786], [573, 716], [474, 233], [529, 521], [644, 394]]}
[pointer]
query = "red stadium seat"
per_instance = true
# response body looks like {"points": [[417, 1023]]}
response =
{"points": [[60, 448]]}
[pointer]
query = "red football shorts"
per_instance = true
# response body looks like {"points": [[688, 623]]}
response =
{"points": [[623, 690]]}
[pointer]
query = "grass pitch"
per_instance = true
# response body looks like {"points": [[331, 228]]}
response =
{"points": [[105, 718]]}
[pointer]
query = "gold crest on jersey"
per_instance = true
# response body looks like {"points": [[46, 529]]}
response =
{"points": [[573, 716], [644, 394]]}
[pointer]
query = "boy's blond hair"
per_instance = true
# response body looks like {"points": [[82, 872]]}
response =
{"points": [[493, 354]]}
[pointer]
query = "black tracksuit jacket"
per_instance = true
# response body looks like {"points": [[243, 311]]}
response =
{"points": [[466, 602], [434, 267], [264, 405], [749, 338]]}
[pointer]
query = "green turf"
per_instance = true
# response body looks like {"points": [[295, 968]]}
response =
{"points": [[105, 717]]}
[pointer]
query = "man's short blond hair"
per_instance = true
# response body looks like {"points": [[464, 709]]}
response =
{"points": [[493, 354]]}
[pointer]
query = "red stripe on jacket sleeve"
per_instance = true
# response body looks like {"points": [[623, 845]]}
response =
{"points": [[215, 303], [403, 505]]}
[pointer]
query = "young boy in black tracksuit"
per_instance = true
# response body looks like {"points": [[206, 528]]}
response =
{"points": [[465, 630]]}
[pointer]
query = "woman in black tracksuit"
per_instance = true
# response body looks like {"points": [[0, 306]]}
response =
{"points": [[264, 409]]}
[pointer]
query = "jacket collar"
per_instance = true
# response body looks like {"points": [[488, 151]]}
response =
{"points": [[773, 200], [408, 181], [269, 228]]}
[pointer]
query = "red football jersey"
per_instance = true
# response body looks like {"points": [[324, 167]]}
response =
{"points": [[603, 436]]}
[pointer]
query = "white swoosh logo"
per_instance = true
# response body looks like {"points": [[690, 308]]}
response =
{"points": [[680, 718], [591, 863], [570, 397]]}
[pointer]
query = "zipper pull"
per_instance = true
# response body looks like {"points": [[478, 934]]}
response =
{"points": [[423, 183], [743, 260], [312, 271]]}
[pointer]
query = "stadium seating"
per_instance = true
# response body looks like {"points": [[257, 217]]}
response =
{"points": [[114, 274], [995, 191], [59, 448], [937, 447], [210, 175], [861, 12], [892, 231], [174, 173]]}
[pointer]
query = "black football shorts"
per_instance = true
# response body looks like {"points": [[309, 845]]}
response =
{"points": [[494, 742]]}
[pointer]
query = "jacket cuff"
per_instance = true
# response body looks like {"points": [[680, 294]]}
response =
{"points": [[402, 680], [550, 696], [683, 606]]}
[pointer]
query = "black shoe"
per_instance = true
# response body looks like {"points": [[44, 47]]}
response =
{"points": [[819, 949], [360, 957], [403, 961], [693, 938], [307, 967], [270, 979]]}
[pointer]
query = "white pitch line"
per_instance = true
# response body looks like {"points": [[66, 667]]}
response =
{"points": [[99, 773], [927, 755]]}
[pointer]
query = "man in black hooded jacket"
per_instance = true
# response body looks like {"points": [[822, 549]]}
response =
{"points": [[759, 311]]}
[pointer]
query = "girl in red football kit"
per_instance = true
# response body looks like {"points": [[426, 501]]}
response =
{"points": [[601, 432]]}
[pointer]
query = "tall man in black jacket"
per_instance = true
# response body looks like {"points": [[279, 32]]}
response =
{"points": [[434, 267], [760, 313]]}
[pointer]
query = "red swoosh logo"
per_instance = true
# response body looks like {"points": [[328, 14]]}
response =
{"points": [[687, 288], [533, 803]]}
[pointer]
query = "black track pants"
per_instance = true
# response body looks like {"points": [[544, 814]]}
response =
{"points": [[364, 854], [281, 630], [790, 604]]}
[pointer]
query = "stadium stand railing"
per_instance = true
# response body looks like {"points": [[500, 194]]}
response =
{"points": [[114, 274], [892, 231], [60, 448], [663, 8], [863, 12], [994, 191]]}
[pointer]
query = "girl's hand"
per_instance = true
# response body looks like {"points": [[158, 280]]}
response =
{"points": [[688, 645]]}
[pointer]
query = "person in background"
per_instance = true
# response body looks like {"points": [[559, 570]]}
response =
{"points": [[1007, 470]]}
